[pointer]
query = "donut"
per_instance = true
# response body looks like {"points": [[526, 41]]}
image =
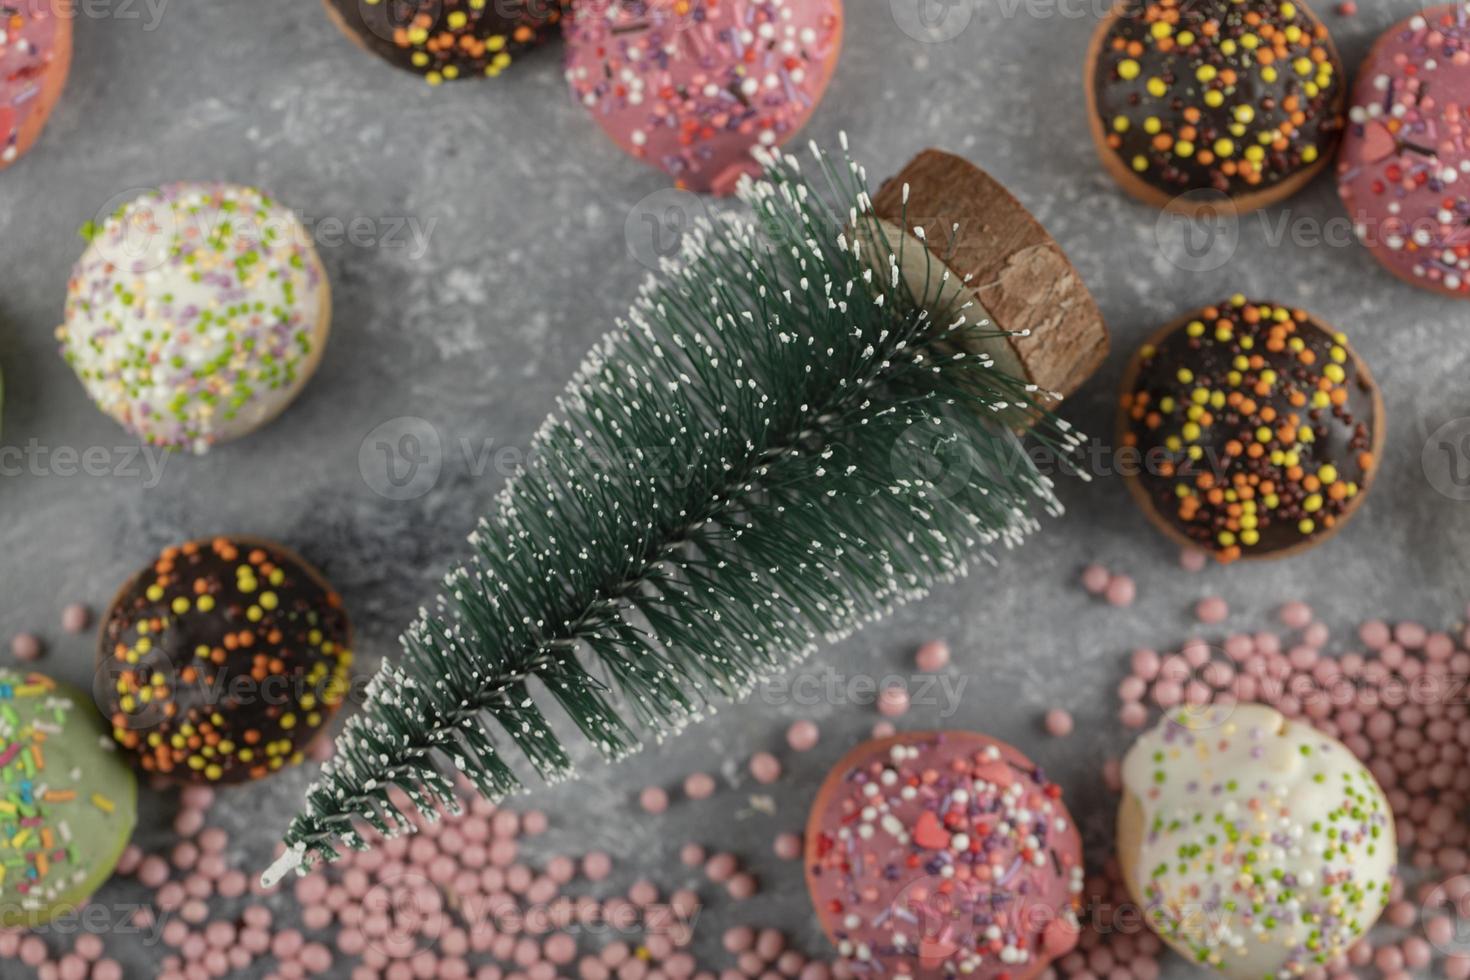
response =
{"points": [[1241, 98], [693, 86], [445, 40], [1254, 845], [222, 660], [944, 854], [68, 802], [1250, 430], [196, 314], [35, 58], [1404, 170]]}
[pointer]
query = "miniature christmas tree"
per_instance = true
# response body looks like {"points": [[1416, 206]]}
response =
{"points": [[804, 421]]}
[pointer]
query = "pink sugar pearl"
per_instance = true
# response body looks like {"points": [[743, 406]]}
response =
{"points": [[883, 729], [653, 800], [26, 647], [1095, 579], [699, 786], [187, 823], [802, 736], [787, 847], [742, 886], [1212, 610], [765, 768], [691, 855], [1121, 591], [932, 657], [1058, 723], [1193, 559], [893, 701], [721, 868], [738, 939], [1295, 615]]}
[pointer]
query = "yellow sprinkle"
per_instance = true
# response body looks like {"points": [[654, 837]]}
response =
{"points": [[1128, 69]]}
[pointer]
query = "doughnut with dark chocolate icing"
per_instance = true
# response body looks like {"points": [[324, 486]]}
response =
{"points": [[222, 660], [445, 40], [1239, 97], [1257, 429]]}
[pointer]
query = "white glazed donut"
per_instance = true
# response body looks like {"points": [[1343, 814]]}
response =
{"points": [[1255, 845], [197, 313]]}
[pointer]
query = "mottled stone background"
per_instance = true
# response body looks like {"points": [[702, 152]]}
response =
{"points": [[527, 261]]}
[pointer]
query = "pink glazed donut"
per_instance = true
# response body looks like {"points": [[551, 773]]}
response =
{"points": [[1404, 173], [940, 854], [35, 57], [693, 86]]}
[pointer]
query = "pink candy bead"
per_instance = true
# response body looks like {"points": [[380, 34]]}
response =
{"points": [[893, 701], [653, 800], [699, 786], [765, 768], [1211, 610], [932, 657], [802, 736], [1095, 579], [1058, 723], [1121, 591]]}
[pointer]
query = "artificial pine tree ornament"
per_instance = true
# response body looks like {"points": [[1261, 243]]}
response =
{"points": [[805, 420]]}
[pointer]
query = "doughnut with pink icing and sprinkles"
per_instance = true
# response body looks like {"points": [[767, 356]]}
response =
{"points": [[693, 86], [1404, 172], [35, 58], [197, 313], [944, 854]]}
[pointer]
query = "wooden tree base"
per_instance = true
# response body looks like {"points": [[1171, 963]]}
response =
{"points": [[1019, 277]]}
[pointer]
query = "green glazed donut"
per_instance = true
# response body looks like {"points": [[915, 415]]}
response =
{"points": [[68, 803]]}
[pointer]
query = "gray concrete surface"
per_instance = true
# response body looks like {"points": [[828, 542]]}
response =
{"points": [[527, 261]]}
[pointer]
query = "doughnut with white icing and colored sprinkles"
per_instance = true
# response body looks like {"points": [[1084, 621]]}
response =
{"points": [[1256, 846], [223, 660], [1242, 98], [197, 313], [35, 58], [1404, 172], [1254, 430], [68, 802], [944, 854], [694, 86], [447, 40]]}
